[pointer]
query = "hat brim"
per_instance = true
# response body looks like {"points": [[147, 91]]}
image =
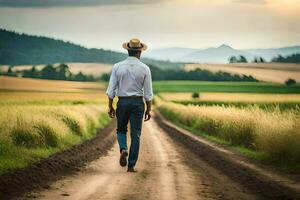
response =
{"points": [[142, 48]]}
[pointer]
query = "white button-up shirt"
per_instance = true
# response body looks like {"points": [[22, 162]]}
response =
{"points": [[130, 77]]}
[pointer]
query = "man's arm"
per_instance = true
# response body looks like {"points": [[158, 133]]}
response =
{"points": [[148, 94], [111, 92]]}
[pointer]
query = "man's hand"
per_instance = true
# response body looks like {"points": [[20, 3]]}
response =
{"points": [[147, 115], [111, 112]]}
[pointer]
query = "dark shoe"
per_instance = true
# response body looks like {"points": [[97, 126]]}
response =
{"points": [[123, 158], [131, 169]]}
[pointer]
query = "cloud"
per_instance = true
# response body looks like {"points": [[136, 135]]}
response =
{"points": [[69, 3], [261, 2]]}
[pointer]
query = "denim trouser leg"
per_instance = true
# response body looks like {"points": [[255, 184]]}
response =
{"points": [[123, 115], [130, 110], [136, 120], [122, 140]]}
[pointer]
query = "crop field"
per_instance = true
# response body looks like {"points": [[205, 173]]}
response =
{"points": [[240, 100], [232, 97], [225, 87], [28, 84], [260, 120], [272, 135], [270, 72], [95, 69], [41, 117]]}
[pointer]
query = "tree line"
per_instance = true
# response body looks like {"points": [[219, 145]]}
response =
{"points": [[243, 59], [60, 72], [294, 58], [196, 75]]}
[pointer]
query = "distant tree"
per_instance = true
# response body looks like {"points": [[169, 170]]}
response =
{"points": [[243, 59], [290, 82], [63, 72], [233, 59], [48, 72], [10, 71], [32, 73], [255, 60], [279, 58], [240, 59], [90, 78], [258, 60], [294, 58], [80, 77], [261, 60], [105, 77], [195, 95]]}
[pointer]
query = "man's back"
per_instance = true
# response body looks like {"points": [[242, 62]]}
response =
{"points": [[130, 77]]}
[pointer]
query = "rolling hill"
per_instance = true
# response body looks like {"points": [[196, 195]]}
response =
{"points": [[216, 55], [22, 49]]}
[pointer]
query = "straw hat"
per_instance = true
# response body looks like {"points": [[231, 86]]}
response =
{"points": [[135, 44]]}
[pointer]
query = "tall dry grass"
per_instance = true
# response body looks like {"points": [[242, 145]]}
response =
{"points": [[33, 125], [32, 132], [41, 117], [273, 132]]}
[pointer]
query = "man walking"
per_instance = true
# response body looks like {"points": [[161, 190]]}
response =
{"points": [[130, 80]]}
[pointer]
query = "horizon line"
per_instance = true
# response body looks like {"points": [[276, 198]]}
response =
{"points": [[166, 47]]}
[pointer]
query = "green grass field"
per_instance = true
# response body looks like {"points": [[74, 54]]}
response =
{"points": [[230, 87]]}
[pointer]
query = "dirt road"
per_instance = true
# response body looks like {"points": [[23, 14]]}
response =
{"points": [[167, 170]]}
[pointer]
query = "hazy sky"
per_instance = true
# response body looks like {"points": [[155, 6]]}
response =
{"points": [[159, 23]]}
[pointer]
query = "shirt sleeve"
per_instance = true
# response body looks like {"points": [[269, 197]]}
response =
{"points": [[148, 94], [112, 85]]}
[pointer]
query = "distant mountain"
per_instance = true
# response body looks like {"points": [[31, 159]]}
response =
{"points": [[173, 53], [219, 54]]}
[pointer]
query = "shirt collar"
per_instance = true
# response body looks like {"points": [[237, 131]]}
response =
{"points": [[132, 58]]}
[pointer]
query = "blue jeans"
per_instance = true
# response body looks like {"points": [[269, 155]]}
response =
{"points": [[130, 110]]}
